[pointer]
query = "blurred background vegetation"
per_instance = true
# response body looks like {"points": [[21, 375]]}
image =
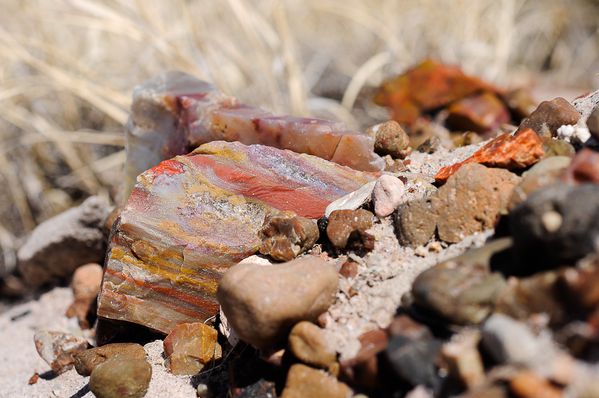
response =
{"points": [[68, 66]]}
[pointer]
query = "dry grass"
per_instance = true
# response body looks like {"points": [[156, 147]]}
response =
{"points": [[68, 67]]}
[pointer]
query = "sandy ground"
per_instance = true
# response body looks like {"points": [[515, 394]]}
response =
{"points": [[20, 360]]}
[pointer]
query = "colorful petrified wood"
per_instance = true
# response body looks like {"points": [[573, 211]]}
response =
{"points": [[192, 217], [427, 87], [174, 113]]}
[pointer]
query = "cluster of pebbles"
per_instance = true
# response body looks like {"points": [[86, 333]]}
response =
{"points": [[469, 267]]}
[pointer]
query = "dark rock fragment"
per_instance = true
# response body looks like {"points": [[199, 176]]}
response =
{"points": [[556, 225]]}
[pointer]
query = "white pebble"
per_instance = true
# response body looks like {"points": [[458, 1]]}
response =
{"points": [[388, 193]]}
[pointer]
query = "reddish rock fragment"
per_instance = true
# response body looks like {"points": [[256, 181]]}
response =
{"points": [[86, 286], [426, 87], [189, 347], [549, 116], [286, 235], [347, 229], [34, 378], [584, 168], [479, 112], [362, 369], [505, 151], [349, 269]]}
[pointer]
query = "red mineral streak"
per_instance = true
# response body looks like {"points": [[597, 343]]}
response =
{"points": [[168, 167]]}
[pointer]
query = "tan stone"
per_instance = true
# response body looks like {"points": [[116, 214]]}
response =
{"points": [[263, 302], [347, 229], [309, 344], [305, 382], [190, 346], [121, 377], [86, 361], [416, 222]]}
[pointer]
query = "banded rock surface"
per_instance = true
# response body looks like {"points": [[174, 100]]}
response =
{"points": [[175, 112], [192, 217]]}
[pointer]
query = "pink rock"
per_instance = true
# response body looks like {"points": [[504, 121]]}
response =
{"points": [[192, 217], [387, 195]]}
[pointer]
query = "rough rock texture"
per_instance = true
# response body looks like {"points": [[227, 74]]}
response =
{"points": [[286, 235], [388, 193], [506, 151], [546, 172], [348, 229], [309, 344], [426, 87], [416, 222], [305, 382], [189, 347], [471, 200], [263, 302], [587, 104], [479, 113], [121, 377], [59, 245], [549, 116], [86, 361], [462, 290], [369, 300], [86, 286], [390, 139], [191, 218], [556, 225], [174, 112], [58, 349]]}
